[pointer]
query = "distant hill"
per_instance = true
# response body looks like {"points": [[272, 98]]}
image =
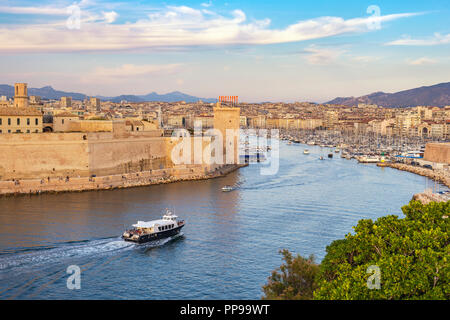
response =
{"points": [[45, 92], [437, 95], [168, 97], [50, 93]]}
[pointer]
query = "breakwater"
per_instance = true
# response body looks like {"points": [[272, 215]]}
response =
{"points": [[439, 176], [137, 179]]}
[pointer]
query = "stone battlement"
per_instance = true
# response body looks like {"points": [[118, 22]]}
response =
{"points": [[437, 152]]}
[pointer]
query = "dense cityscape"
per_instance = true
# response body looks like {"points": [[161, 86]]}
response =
{"points": [[428, 122]]}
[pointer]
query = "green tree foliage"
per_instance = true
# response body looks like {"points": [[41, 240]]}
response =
{"points": [[412, 255], [294, 280]]}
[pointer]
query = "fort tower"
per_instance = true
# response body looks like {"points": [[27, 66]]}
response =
{"points": [[226, 118]]}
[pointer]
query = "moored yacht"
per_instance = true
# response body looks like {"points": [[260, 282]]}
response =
{"points": [[143, 231], [368, 159]]}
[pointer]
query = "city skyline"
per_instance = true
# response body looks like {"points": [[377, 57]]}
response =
{"points": [[285, 51]]}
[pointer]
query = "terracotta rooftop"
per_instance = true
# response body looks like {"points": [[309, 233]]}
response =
{"points": [[14, 111]]}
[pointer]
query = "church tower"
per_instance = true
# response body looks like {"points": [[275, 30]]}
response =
{"points": [[20, 95]]}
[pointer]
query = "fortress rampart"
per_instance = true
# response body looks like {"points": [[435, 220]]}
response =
{"points": [[437, 152], [43, 162], [84, 154]]}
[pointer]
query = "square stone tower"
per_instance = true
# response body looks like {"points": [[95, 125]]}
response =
{"points": [[20, 95], [226, 120]]}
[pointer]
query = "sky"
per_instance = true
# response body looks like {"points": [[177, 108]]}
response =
{"points": [[281, 51]]}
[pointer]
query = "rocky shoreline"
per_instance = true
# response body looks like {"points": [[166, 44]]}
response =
{"points": [[438, 176], [129, 180]]}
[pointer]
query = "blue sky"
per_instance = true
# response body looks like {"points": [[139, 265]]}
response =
{"points": [[258, 50]]}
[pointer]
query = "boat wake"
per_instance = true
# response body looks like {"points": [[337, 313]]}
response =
{"points": [[35, 257], [32, 257]]}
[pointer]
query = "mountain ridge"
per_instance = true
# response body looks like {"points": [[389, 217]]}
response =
{"points": [[435, 95], [49, 92]]}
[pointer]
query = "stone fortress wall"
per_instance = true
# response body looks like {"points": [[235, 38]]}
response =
{"points": [[437, 152], [144, 178], [46, 158]]}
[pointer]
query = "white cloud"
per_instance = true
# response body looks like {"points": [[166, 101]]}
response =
{"points": [[322, 56], [171, 27], [421, 61], [207, 4], [34, 10], [43, 10], [110, 17], [436, 39]]}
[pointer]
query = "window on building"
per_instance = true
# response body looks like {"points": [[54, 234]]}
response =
{"points": [[36, 121], [28, 121], [28, 131], [18, 131], [62, 121], [1, 131], [1, 121], [18, 121], [9, 131], [9, 121]]}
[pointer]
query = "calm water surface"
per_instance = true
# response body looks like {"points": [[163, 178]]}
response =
{"points": [[230, 243]]}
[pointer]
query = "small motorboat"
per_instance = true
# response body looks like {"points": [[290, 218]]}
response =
{"points": [[143, 231], [306, 151], [321, 158], [227, 188], [330, 155]]}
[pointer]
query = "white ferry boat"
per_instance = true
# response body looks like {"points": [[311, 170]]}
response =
{"points": [[227, 188], [143, 231]]}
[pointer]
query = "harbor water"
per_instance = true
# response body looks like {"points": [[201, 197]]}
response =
{"points": [[228, 248]]}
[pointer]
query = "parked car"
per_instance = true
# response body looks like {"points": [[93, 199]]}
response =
{"points": [[427, 166]]}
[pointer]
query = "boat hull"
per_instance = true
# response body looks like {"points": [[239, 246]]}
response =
{"points": [[155, 236]]}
